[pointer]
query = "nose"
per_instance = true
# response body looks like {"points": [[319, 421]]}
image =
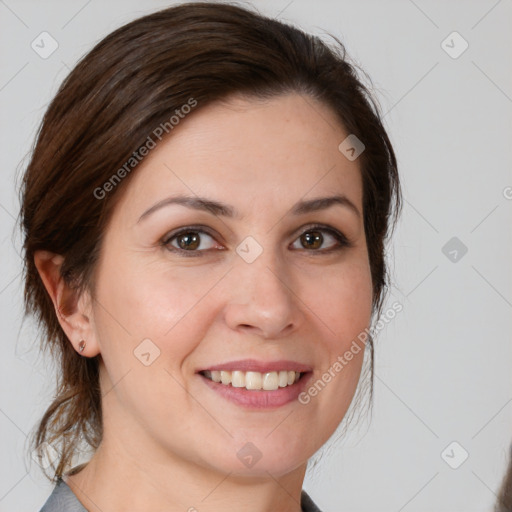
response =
{"points": [[263, 298]]}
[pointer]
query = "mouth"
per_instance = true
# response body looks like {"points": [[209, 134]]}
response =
{"points": [[254, 381], [257, 385], [254, 390]]}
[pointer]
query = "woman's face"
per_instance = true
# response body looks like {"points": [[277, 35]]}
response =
{"points": [[251, 283]]}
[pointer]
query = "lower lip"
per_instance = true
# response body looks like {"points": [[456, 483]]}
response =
{"points": [[259, 399]]}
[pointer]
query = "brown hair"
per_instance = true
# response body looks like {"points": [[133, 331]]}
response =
{"points": [[504, 501], [115, 97]]}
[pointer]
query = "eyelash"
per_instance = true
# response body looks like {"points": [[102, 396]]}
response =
{"points": [[343, 242]]}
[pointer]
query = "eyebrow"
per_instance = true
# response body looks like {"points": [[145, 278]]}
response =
{"points": [[224, 210]]}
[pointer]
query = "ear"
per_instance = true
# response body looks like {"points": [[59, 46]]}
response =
{"points": [[74, 311]]}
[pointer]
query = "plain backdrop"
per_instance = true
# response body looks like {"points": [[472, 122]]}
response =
{"points": [[443, 389]]}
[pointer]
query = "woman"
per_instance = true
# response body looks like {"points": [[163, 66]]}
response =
{"points": [[204, 215]]}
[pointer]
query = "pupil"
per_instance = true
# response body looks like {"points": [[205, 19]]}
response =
{"points": [[313, 239], [189, 241]]}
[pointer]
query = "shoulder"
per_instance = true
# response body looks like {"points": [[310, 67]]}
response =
{"points": [[62, 499], [307, 503]]}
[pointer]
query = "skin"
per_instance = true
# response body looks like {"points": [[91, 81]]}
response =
{"points": [[166, 434]]}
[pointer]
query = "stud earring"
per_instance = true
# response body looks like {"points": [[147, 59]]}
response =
{"points": [[81, 345]]}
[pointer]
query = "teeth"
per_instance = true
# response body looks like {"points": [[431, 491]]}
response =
{"points": [[269, 381], [253, 380]]}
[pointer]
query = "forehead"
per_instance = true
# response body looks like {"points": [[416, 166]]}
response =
{"points": [[250, 152]]}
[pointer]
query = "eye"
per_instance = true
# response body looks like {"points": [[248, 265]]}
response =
{"points": [[189, 240], [313, 238], [194, 240]]}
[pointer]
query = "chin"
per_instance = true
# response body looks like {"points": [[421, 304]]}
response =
{"points": [[261, 456]]}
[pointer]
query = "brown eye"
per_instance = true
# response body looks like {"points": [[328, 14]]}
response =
{"points": [[312, 239], [316, 236], [188, 241]]}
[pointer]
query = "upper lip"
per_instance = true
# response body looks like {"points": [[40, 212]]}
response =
{"points": [[253, 365]]}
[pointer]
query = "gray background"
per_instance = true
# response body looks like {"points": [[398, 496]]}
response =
{"points": [[443, 364]]}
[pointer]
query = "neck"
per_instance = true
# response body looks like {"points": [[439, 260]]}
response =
{"points": [[125, 475]]}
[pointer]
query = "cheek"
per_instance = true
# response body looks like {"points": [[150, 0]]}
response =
{"points": [[341, 297], [151, 300], [345, 313], [151, 297], [148, 322]]}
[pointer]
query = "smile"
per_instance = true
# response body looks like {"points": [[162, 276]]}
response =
{"points": [[256, 381], [251, 392]]}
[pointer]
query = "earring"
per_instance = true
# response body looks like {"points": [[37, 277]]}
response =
{"points": [[81, 345]]}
